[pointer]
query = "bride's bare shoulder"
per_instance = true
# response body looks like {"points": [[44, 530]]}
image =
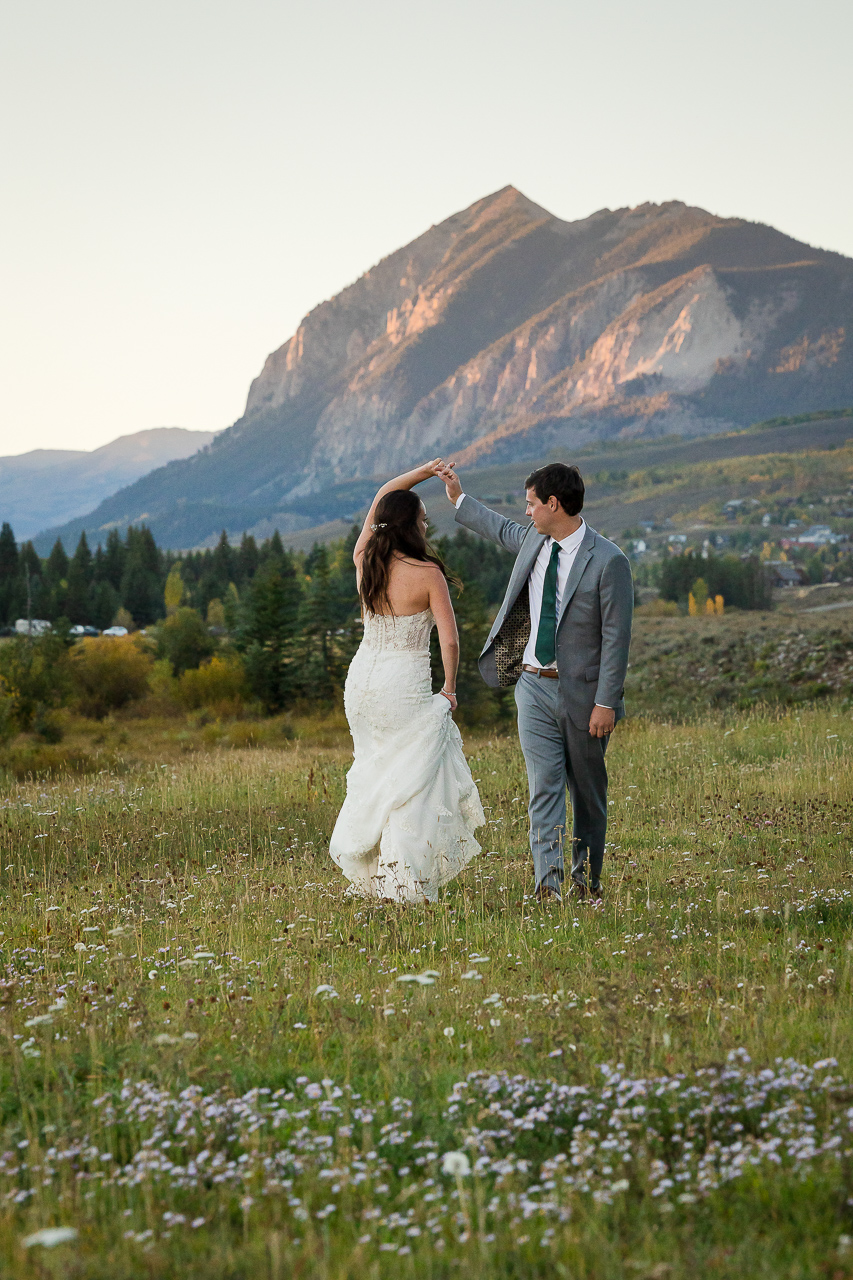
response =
{"points": [[415, 566]]}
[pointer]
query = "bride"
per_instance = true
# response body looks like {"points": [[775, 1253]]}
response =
{"points": [[407, 824]]}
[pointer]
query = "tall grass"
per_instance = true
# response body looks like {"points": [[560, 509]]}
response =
{"points": [[211, 1066]]}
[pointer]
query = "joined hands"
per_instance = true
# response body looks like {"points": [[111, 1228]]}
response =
{"points": [[444, 471]]}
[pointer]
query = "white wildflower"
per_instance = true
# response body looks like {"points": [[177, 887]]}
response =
{"points": [[456, 1164], [50, 1237]]}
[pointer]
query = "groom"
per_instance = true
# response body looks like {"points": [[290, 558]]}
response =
{"points": [[561, 637]]}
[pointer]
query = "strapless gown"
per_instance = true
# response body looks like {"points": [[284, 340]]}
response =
{"points": [[407, 824]]}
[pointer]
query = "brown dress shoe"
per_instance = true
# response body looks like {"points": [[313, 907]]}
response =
{"points": [[545, 893]]}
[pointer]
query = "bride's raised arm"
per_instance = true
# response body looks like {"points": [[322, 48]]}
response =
{"points": [[407, 480]]}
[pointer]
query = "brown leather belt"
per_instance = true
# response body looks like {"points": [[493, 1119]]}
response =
{"points": [[548, 672]]}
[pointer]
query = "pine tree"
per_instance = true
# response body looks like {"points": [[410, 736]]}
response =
{"points": [[56, 580], [9, 567], [248, 559], [112, 566], [77, 600], [317, 625], [268, 631], [142, 584]]}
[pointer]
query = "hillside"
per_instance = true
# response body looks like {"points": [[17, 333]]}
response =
{"points": [[48, 486], [505, 333], [683, 485]]}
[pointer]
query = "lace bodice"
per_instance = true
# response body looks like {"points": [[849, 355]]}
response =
{"points": [[406, 633]]}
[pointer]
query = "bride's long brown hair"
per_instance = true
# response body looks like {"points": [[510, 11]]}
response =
{"points": [[395, 532]]}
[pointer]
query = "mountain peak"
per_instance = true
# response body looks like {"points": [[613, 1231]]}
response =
{"points": [[506, 332]]}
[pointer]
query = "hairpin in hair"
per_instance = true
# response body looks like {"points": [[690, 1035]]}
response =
{"points": [[374, 527]]}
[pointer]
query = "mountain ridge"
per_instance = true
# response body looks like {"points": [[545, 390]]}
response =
{"points": [[44, 486], [505, 331]]}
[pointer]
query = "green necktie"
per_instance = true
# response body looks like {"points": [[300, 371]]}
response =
{"points": [[546, 636]]}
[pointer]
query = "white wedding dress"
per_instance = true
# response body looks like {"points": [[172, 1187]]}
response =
{"points": [[407, 824]]}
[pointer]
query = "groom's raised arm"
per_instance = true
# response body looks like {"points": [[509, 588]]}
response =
{"points": [[471, 514]]}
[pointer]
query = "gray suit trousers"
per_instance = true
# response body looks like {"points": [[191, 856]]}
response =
{"points": [[559, 755]]}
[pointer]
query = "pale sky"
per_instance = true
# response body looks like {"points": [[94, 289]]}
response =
{"points": [[184, 179]]}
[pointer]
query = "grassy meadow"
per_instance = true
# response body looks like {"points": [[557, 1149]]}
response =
{"points": [[217, 1064]]}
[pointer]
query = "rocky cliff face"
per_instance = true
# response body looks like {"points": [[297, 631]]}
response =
{"points": [[505, 329], [505, 332]]}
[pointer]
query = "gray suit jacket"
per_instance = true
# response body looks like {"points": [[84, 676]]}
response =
{"points": [[594, 627]]}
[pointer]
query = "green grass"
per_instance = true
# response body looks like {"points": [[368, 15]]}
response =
{"points": [[726, 925]]}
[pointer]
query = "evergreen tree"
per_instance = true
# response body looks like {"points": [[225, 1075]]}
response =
{"points": [[141, 594], [77, 599], [104, 604], [111, 565], [273, 548], [56, 580], [32, 589], [320, 669], [222, 562], [142, 581], [9, 567], [248, 559], [268, 631]]}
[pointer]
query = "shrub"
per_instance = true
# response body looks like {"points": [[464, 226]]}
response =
{"points": [[184, 640], [40, 760], [110, 672], [33, 677], [216, 683], [658, 608]]}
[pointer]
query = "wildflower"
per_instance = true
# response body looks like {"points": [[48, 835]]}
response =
{"points": [[456, 1164], [50, 1237], [39, 1020], [473, 975], [80, 946], [449, 1032], [326, 991]]}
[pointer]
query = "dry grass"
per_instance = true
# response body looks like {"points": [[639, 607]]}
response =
{"points": [[173, 925]]}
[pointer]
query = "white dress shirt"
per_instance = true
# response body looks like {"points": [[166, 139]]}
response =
{"points": [[536, 581], [568, 551]]}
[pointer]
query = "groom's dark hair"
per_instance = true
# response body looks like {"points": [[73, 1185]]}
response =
{"points": [[560, 481]]}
